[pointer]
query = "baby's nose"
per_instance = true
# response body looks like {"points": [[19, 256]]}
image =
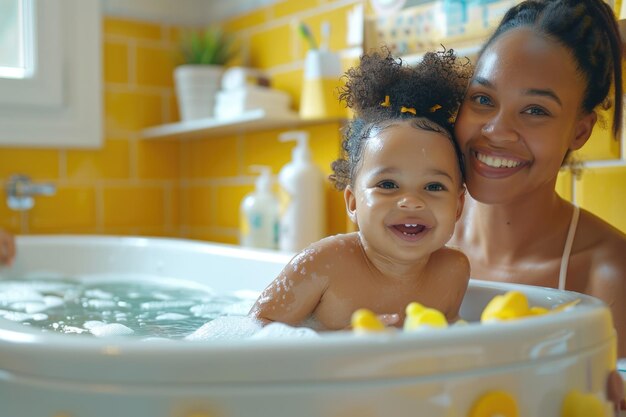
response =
{"points": [[411, 202]]}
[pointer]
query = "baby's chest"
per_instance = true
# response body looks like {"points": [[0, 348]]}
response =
{"points": [[339, 302]]}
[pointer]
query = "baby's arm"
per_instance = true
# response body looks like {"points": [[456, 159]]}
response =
{"points": [[293, 296], [7, 247], [458, 268]]}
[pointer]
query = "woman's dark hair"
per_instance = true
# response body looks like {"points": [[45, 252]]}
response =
{"points": [[589, 30], [382, 91]]}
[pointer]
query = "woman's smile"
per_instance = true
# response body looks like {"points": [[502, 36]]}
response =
{"points": [[495, 166]]}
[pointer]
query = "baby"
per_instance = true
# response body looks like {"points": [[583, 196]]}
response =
{"points": [[403, 189]]}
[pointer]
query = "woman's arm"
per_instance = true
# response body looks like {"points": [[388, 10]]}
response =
{"points": [[608, 283]]}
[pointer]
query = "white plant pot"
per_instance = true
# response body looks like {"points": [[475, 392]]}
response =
{"points": [[196, 87]]}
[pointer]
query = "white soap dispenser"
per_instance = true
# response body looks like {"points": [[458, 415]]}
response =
{"points": [[303, 220], [259, 213]]}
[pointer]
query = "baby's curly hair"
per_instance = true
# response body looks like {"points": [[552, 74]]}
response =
{"points": [[382, 91]]}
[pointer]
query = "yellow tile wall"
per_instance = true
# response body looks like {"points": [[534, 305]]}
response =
{"points": [[601, 186], [214, 171], [129, 186]]}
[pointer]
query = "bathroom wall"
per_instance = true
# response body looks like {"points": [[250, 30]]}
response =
{"points": [[600, 185], [187, 188], [214, 172], [192, 188], [129, 186]]}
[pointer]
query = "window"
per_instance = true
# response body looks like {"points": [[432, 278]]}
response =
{"points": [[50, 86], [15, 42]]}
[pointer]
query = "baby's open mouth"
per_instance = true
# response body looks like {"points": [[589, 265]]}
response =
{"points": [[409, 229]]}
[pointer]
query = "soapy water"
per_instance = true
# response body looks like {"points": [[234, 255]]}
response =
{"points": [[153, 308]]}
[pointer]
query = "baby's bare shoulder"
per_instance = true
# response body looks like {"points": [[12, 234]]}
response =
{"points": [[328, 254], [452, 255], [452, 261], [334, 246]]}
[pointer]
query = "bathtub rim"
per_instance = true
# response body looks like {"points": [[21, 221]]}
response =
{"points": [[26, 351]]}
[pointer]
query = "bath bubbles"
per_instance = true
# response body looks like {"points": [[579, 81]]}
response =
{"points": [[146, 308], [111, 329]]}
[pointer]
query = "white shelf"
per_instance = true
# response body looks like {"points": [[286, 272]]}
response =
{"points": [[251, 121]]}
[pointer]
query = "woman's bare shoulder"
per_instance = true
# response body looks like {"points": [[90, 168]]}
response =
{"points": [[604, 245]]}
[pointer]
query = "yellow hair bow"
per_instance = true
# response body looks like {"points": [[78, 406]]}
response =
{"points": [[386, 103], [408, 110]]}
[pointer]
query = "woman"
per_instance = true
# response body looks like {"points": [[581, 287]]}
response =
{"points": [[531, 102]]}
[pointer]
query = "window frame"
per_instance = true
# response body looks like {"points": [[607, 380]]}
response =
{"points": [[61, 104]]}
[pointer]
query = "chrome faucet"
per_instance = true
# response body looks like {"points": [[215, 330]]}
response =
{"points": [[21, 190]]}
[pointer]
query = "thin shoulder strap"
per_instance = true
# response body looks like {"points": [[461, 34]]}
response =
{"points": [[568, 247]]}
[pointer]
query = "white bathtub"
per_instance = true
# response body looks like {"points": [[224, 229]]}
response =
{"points": [[431, 374]]}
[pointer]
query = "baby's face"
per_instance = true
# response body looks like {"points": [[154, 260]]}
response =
{"points": [[407, 194]]}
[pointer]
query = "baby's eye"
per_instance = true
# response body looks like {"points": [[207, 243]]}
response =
{"points": [[536, 111], [435, 186], [482, 100], [387, 185]]}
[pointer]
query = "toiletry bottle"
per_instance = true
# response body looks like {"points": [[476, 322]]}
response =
{"points": [[259, 213], [322, 76], [303, 220]]}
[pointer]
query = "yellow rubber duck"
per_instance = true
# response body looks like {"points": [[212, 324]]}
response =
{"points": [[418, 316], [577, 404], [514, 305], [364, 321], [508, 306], [495, 403]]}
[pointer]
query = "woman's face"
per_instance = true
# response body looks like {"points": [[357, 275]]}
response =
{"points": [[521, 113], [407, 194]]}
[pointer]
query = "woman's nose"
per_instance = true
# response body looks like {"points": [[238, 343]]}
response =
{"points": [[500, 128], [411, 202]]}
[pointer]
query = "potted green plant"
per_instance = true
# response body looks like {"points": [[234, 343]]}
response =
{"points": [[204, 53]]}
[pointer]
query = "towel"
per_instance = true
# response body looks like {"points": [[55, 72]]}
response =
{"points": [[240, 77], [232, 103]]}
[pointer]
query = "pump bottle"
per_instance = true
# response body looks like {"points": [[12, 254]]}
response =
{"points": [[259, 213], [303, 220]]}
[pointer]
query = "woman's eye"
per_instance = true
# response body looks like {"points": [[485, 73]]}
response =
{"points": [[435, 186], [387, 185], [482, 100], [536, 111]]}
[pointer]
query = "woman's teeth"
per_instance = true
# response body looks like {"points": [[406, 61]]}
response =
{"points": [[497, 162]]}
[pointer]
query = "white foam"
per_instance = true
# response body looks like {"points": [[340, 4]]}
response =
{"points": [[226, 328], [100, 304], [280, 330], [111, 329], [19, 295], [92, 324], [29, 307], [53, 301], [17, 316]]}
